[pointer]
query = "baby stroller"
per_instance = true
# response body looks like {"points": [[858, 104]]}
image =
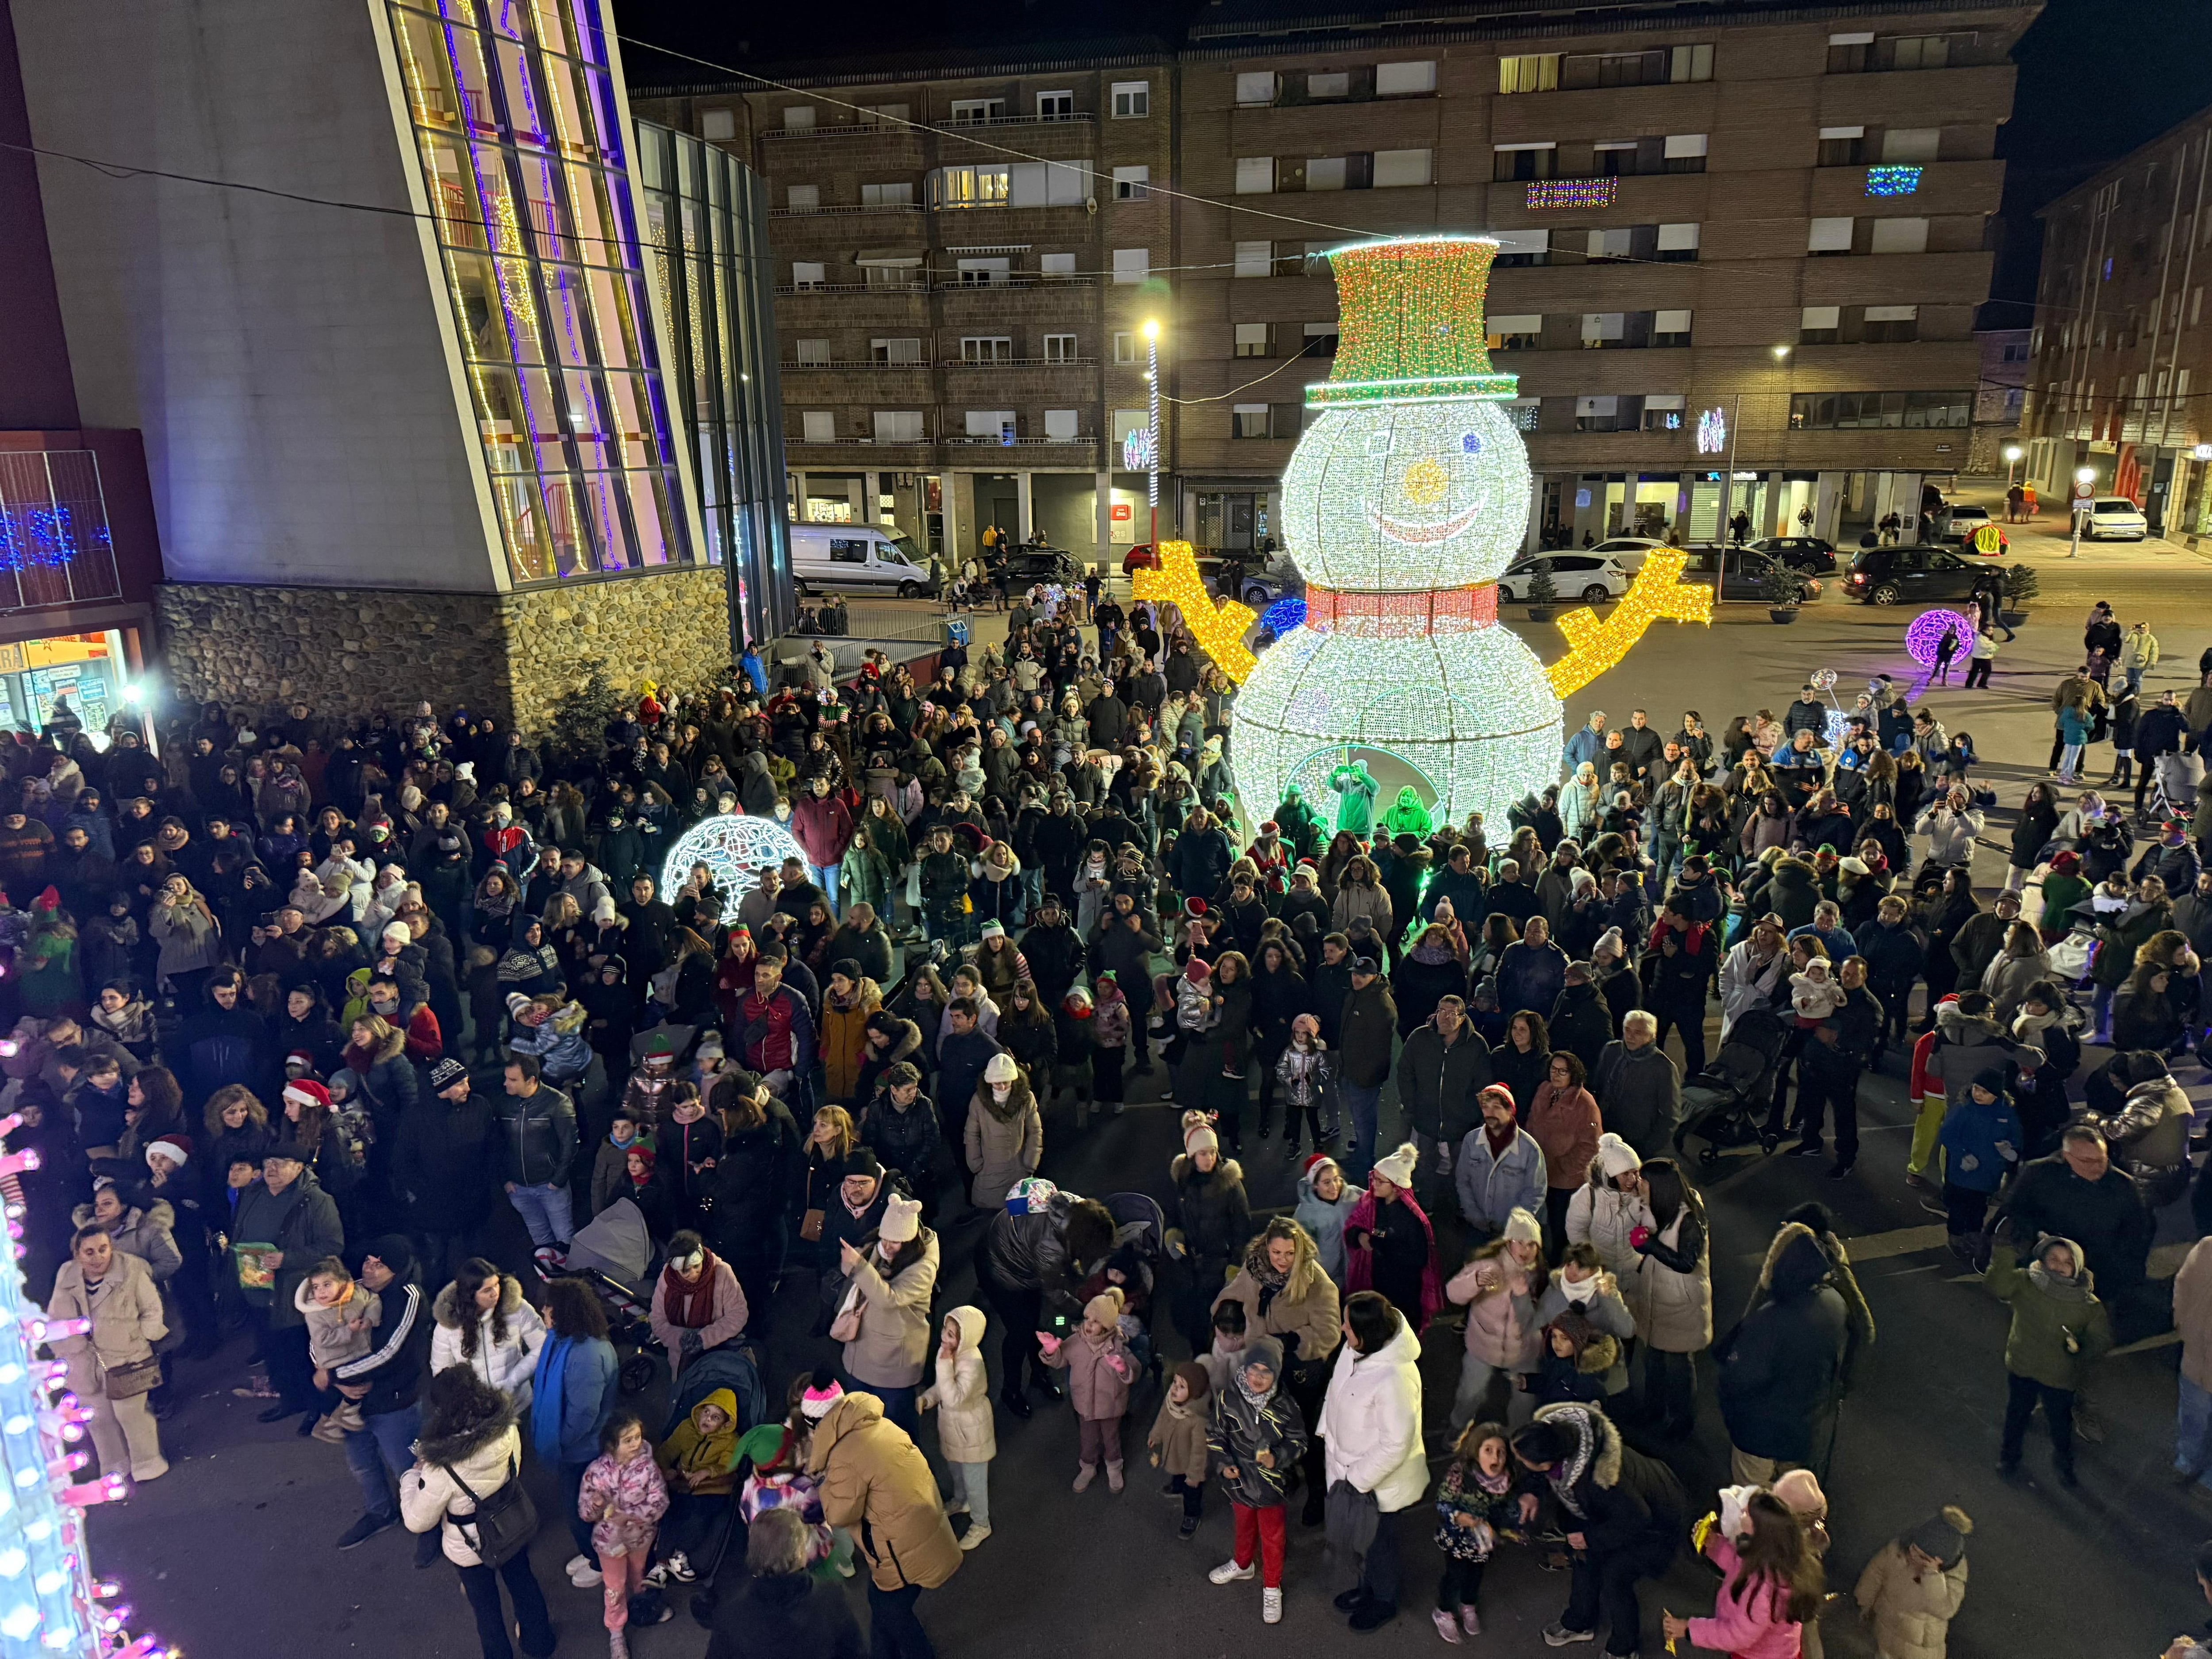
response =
{"points": [[613, 1254], [1141, 1231], [1725, 1104], [2173, 781]]}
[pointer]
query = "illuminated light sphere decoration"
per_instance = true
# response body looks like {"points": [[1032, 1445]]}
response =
{"points": [[1406, 496], [734, 846], [1927, 631], [1280, 617]]}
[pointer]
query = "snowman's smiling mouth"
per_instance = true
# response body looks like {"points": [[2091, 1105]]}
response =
{"points": [[1412, 533]]}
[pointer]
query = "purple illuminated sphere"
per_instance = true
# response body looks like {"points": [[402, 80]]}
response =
{"points": [[1927, 632]]}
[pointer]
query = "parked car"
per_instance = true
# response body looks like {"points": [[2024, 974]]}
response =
{"points": [[1738, 573], [1259, 584], [1629, 550], [1799, 552], [1917, 575], [857, 555], [2115, 518], [1584, 577], [1025, 565]]}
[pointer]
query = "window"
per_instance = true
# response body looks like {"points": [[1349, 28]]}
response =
{"points": [[1405, 80], [1255, 260], [1517, 332], [1608, 244], [1132, 265], [802, 198], [1523, 247], [1910, 144], [1919, 51], [898, 426], [1251, 419], [1663, 411], [985, 273], [813, 354], [1132, 99], [969, 187], [1843, 147], [1124, 346], [808, 273], [1679, 243], [992, 423], [1133, 183], [1256, 339], [876, 115], [901, 273], [848, 549], [1126, 421], [1059, 425], [1511, 161], [1900, 236], [987, 348], [1320, 340], [1255, 175], [818, 426], [1337, 84], [718, 125], [1256, 87], [1400, 167], [1670, 328], [1820, 325], [1531, 72], [1596, 413], [1614, 158], [1849, 53], [798, 118], [900, 195], [1325, 172], [1612, 69], [1686, 152], [965, 110], [1056, 267], [1847, 411], [895, 351], [1891, 324], [1055, 105], [1829, 236], [1060, 347], [1603, 328], [1524, 413], [1691, 62]]}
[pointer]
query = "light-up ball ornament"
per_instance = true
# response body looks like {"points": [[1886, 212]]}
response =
{"points": [[1280, 617], [734, 846], [1927, 632], [1822, 679], [1407, 497]]}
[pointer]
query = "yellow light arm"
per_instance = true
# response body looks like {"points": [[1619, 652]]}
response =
{"points": [[1219, 629], [1595, 644]]}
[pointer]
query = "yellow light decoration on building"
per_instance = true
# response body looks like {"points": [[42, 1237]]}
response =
{"points": [[1218, 628], [1597, 644]]}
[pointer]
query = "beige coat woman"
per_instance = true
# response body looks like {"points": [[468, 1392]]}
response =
{"points": [[876, 1483], [1910, 1615], [125, 1311], [1005, 1143], [961, 1397], [896, 1328], [1305, 1308]]}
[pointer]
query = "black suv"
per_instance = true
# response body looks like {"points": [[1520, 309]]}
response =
{"points": [[1800, 552], [1914, 574], [1040, 564], [1736, 572]]}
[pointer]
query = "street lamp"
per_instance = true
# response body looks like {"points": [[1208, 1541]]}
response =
{"points": [[2083, 476], [2012, 454], [1153, 398], [1780, 355]]}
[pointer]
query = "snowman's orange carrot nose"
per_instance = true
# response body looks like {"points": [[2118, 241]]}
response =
{"points": [[1596, 645]]}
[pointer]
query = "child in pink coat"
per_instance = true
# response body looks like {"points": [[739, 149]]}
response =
{"points": [[1770, 1585], [624, 1497], [1099, 1372]]}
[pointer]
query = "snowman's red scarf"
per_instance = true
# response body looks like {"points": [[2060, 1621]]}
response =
{"points": [[1402, 615]]}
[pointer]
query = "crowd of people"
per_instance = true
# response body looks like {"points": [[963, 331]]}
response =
{"points": [[298, 1005]]}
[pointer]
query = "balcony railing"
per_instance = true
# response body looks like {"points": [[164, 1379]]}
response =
{"points": [[843, 207], [847, 128], [852, 288], [999, 286], [948, 363]]}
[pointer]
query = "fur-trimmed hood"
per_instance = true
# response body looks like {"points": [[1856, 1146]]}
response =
{"points": [[453, 1448], [447, 1309], [1967, 1031], [1227, 1172], [905, 1037], [1596, 1443], [1020, 1100], [1795, 1261]]}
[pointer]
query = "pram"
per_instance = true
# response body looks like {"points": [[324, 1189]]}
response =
{"points": [[1725, 1104], [1140, 1226], [2173, 782], [613, 1254]]}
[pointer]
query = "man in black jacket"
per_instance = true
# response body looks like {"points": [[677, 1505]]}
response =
{"points": [[1053, 948], [1623, 1514], [443, 1168], [1828, 1071], [385, 1382], [1782, 1370], [1444, 1065]]}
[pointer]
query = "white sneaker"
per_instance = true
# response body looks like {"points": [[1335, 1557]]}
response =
{"points": [[955, 1507], [1271, 1607], [974, 1536], [588, 1577], [679, 1567], [1229, 1572], [576, 1563]]}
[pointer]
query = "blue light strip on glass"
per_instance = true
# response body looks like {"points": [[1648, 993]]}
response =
{"points": [[1893, 180]]}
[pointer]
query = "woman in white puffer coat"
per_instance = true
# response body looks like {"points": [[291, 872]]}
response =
{"points": [[1609, 1205], [484, 1324]]}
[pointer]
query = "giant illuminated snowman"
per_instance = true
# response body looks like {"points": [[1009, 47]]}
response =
{"points": [[1402, 503]]}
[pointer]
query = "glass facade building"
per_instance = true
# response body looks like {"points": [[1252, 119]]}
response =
{"points": [[706, 215], [526, 162]]}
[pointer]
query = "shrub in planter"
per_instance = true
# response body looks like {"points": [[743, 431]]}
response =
{"points": [[1780, 588], [1543, 596]]}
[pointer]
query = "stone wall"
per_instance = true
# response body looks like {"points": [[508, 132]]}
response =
{"points": [[346, 651]]}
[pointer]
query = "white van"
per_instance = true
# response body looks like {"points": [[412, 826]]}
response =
{"points": [[857, 555]]}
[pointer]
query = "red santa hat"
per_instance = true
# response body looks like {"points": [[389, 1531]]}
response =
{"points": [[307, 1092]]}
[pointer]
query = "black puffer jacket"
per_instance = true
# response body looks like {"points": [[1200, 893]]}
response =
{"points": [[1437, 1083], [749, 1184], [907, 1140], [1781, 1371], [1213, 1216], [1033, 1251]]}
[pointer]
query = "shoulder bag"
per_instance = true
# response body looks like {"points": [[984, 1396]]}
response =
{"points": [[503, 1523]]}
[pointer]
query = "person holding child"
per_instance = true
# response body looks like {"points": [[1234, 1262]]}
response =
{"points": [[340, 1315]]}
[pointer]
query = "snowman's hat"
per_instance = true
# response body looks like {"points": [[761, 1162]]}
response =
{"points": [[1411, 323]]}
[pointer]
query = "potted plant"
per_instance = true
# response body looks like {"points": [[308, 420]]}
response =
{"points": [[1782, 590], [2021, 584], [1543, 593]]}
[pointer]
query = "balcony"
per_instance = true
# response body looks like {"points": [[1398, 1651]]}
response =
{"points": [[843, 207], [888, 290]]}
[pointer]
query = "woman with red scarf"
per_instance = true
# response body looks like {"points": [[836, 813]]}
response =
{"points": [[697, 1304], [1390, 1245]]}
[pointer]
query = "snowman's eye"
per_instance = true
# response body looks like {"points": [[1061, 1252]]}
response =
{"points": [[1471, 443]]}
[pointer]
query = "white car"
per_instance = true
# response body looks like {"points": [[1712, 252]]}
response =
{"points": [[1576, 578], [1966, 520], [1628, 550], [2115, 517]]}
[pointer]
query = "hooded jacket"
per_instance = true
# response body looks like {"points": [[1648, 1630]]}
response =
{"points": [[2060, 1329], [1324, 1223], [1781, 1371], [508, 1366], [126, 1320], [1238, 1428], [691, 1449], [875, 1483], [1210, 1217], [1002, 1143], [484, 1457], [1500, 1297], [966, 1432], [1967, 1044], [1620, 1498], [1602, 1216], [1371, 1422]]}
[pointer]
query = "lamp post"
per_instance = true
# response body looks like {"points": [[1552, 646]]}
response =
{"points": [[2012, 454], [1780, 355], [2082, 475], [1152, 402]]}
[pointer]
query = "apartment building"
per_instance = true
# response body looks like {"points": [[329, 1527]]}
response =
{"points": [[2119, 363], [967, 255], [1742, 253]]}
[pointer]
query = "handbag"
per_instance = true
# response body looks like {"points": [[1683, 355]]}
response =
{"points": [[809, 1226], [846, 1327], [504, 1523], [129, 1381]]}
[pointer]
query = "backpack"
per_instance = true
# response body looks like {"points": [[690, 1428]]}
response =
{"points": [[504, 1523]]}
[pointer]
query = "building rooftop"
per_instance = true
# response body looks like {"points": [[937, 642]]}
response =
{"points": [[993, 53], [1222, 21]]}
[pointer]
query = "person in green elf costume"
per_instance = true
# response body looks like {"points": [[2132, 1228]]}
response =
{"points": [[1407, 816], [1356, 790]]}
